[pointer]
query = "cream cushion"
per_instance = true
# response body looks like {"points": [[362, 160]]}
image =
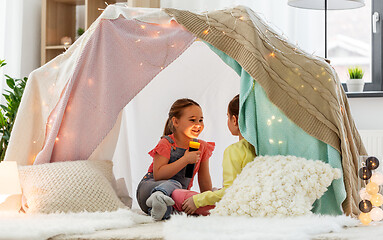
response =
{"points": [[74, 186], [276, 186]]}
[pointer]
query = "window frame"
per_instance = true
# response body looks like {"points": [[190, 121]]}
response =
{"points": [[376, 84], [376, 44]]}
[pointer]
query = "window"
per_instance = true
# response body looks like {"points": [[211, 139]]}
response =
{"points": [[377, 83], [351, 42]]}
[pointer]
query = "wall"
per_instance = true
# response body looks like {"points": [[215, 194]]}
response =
{"points": [[367, 113]]}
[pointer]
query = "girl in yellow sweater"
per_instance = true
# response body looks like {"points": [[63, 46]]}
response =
{"points": [[235, 158]]}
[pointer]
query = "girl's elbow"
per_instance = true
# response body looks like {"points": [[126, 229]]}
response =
{"points": [[156, 177]]}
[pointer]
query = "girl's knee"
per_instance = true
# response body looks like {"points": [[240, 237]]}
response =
{"points": [[179, 196]]}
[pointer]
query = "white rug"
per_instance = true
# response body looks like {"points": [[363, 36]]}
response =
{"points": [[244, 228], [43, 226]]}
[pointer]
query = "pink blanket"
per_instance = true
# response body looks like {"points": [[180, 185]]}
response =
{"points": [[118, 61]]}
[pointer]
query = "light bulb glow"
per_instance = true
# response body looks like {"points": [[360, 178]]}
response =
{"points": [[364, 194], [377, 178], [377, 200], [372, 188], [365, 218], [376, 214]]}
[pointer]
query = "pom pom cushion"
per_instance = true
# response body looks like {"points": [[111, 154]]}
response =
{"points": [[73, 186], [277, 186]]}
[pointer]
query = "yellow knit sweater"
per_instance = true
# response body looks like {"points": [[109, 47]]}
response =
{"points": [[235, 158]]}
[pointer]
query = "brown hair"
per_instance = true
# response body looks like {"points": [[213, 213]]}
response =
{"points": [[233, 107], [176, 110]]}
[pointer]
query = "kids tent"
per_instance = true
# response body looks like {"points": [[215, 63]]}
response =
{"points": [[108, 95]]}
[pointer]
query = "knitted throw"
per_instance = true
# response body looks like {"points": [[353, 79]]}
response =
{"points": [[304, 87]]}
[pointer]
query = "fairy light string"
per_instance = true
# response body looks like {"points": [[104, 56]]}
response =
{"points": [[266, 35]]}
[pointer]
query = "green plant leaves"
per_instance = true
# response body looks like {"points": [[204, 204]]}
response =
{"points": [[355, 72], [8, 112]]}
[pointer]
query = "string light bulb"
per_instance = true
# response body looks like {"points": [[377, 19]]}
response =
{"points": [[365, 218], [364, 194], [377, 200], [376, 214], [377, 178], [365, 206], [365, 173], [372, 188], [372, 163]]}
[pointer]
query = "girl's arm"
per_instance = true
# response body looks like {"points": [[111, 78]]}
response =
{"points": [[162, 170], [204, 179]]}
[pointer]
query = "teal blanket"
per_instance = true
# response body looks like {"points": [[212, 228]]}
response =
{"points": [[272, 133]]}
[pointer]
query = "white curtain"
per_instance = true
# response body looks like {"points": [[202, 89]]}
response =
{"points": [[20, 24], [2, 38]]}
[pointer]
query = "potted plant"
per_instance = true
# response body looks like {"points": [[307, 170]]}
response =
{"points": [[355, 83]]}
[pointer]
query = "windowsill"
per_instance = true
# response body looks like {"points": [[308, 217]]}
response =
{"points": [[364, 94]]}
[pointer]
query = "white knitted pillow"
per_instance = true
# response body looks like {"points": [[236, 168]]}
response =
{"points": [[276, 186], [74, 186]]}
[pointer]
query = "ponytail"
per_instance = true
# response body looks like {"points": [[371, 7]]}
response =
{"points": [[168, 127], [176, 111]]}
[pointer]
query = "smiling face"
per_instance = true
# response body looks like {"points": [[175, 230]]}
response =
{"points": [[190, 123]]}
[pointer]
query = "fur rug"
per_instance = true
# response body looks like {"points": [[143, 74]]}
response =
{"points": [[245, 228], [43, 226]]}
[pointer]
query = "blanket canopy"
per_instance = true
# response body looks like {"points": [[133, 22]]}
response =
{"points": [[98, 100]]}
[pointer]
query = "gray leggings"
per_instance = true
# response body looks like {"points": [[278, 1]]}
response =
{"points": [[148, 185]]}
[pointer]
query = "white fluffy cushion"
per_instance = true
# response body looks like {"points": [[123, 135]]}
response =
{"points": [[74, 186], [277, 186]]}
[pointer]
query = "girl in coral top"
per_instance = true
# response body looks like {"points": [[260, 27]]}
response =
{"points": [[170, 158], [235, 158]]}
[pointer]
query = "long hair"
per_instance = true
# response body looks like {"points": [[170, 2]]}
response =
{"points": [[176, 110], [233, 107]]}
